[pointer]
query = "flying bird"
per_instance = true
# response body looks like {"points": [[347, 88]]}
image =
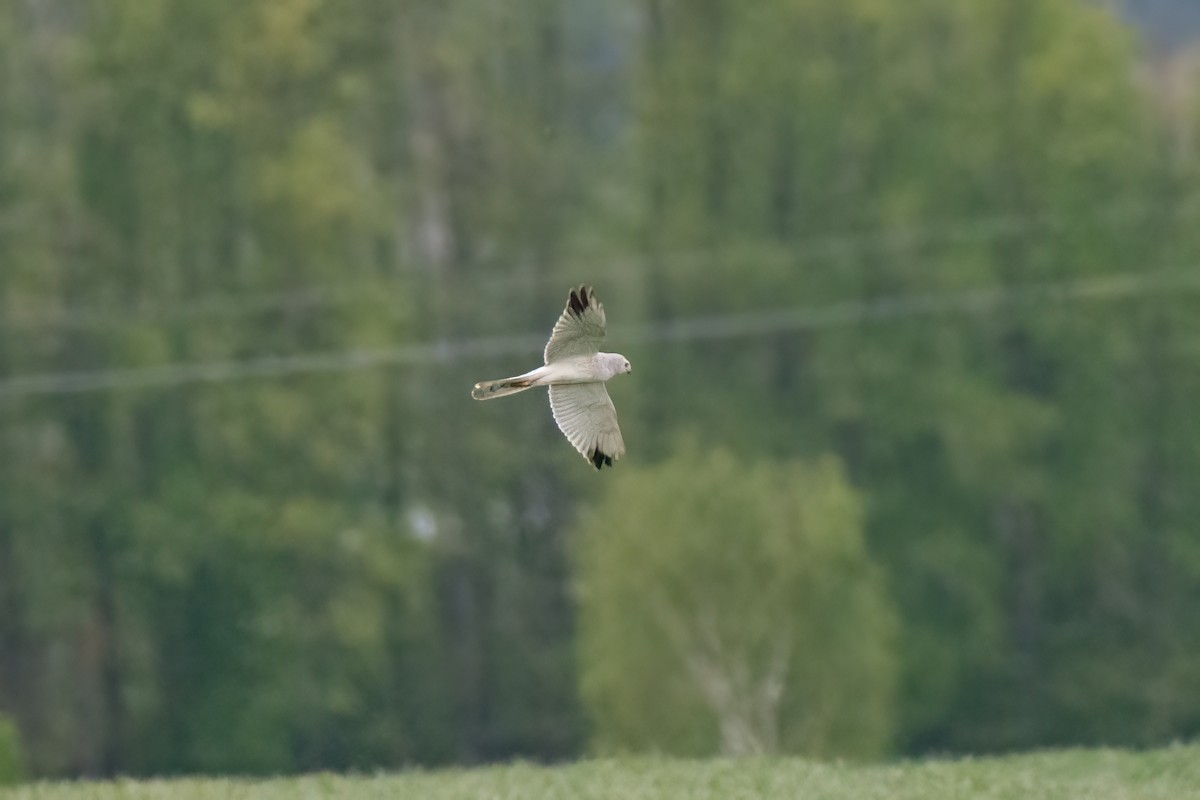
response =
{"points": [[575, 370]]}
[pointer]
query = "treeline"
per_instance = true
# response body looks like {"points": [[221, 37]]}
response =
{"points": [[937, 260]]}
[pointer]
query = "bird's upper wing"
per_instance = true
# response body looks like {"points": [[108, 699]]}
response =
{"points": [[586, 415], [580, 329]]}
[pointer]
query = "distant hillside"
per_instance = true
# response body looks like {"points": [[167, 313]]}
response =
{"points": [[1168, 23]]}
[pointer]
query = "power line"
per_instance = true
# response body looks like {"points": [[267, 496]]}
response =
{"points": [[892, 241], [725, 326], [169, 375], [975, 301]]}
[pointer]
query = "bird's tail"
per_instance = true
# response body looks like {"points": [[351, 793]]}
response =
{"points": [[487, 390]]}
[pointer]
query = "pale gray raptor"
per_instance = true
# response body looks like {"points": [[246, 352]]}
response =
{"points": [[575, 371]]}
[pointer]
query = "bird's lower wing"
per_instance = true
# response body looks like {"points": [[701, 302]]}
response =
{"points": [[586, 416]]}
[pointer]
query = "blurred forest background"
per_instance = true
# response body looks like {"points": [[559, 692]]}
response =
{"points": [[912, 294]]}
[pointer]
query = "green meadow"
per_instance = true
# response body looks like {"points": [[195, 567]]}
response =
{"points": [[1092, 774]]}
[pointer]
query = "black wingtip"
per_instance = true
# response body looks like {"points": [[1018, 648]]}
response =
{"points": [[600, 459], [580, 298]]}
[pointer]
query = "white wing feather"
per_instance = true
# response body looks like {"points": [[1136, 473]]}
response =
{"points": [[580, 329], [588, 419]]}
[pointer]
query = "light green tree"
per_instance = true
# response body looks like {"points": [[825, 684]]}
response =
{"points": [[732, 607], [12, 762]]}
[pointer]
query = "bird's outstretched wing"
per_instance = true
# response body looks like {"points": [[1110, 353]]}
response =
{"points": [[586, 416], [580, 329]]}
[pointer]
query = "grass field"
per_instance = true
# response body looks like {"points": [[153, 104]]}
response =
{"points": [[1093, 774]]}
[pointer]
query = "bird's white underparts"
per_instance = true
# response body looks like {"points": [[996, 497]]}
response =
{"points": [[575, 370]]}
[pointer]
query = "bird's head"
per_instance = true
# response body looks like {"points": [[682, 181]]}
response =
{"points": [[615, 364]]}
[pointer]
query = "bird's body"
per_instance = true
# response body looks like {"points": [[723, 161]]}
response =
{"points": [[575, 370]]}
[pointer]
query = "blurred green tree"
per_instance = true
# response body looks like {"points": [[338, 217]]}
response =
{"points": [[732, 607], [12, 760]]}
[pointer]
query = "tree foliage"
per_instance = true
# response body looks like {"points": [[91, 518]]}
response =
{"points": [[733, 607], [12, 761]]}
